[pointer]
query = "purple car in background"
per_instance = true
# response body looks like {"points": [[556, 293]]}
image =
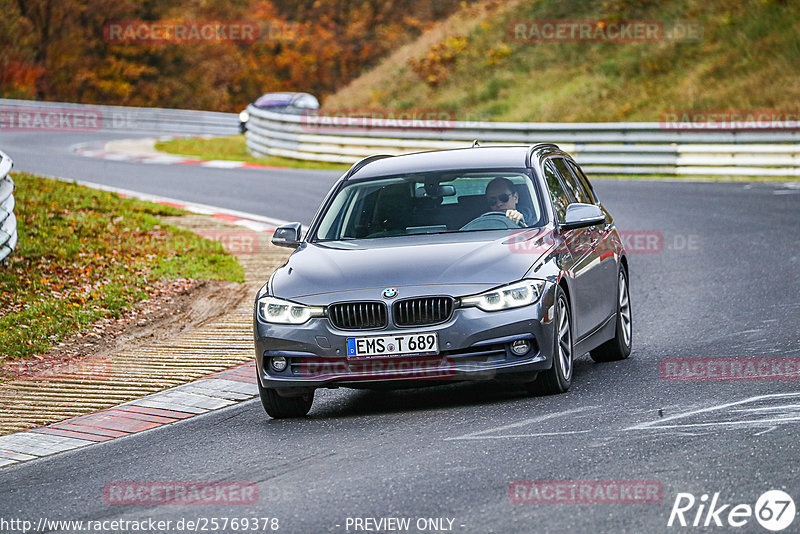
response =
{"points": [[296, 103]]}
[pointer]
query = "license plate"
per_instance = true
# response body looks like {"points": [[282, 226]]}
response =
{"points": [[407, 344]]}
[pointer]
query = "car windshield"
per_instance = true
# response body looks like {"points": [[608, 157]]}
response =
{"points": [[432, 203]]}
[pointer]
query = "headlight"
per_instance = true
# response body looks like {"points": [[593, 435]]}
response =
{"points": [[244, 116], [511, 296], [279, 311]]}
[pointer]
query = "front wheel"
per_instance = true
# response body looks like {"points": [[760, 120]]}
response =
{"points": [[279, 407], [619, 347], [558, 378]]}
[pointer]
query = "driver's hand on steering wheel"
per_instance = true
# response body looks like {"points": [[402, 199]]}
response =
{"points": [[515, 216]]}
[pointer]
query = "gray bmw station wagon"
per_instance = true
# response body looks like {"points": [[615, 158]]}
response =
{"points": [[471, 264]]}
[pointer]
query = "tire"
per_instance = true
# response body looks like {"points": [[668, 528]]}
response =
{"points": [[619, 347], [558, 378], [279, 407]]}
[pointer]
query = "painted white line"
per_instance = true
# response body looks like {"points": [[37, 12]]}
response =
{"points": [[768, 408], [766, 431], [91, 153], [659, 423], [538, 435], [524, 422], [162, 160], [752, 422], [222, 164], [115, 157]]}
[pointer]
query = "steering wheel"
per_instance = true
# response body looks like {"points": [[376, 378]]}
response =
{"points": [[490, 221]]}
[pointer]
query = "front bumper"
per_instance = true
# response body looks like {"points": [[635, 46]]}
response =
{"points": [[473, 345]]}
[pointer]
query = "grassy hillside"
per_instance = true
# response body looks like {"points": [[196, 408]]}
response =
{"points": [[747, 58]]}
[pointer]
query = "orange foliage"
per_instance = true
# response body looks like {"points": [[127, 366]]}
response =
{"points": [[57, 49]]}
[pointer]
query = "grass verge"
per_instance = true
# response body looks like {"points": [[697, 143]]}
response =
{"points": [[234, 149], [84, 255]]}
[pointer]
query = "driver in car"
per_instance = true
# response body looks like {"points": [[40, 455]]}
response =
{"points": [[500, 197]]}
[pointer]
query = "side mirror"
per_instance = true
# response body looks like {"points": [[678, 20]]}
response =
{"points": [[288, 235], [582, 215]]}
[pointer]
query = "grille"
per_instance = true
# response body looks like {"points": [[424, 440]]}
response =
{"points": [[357, 315], [422, 311]]}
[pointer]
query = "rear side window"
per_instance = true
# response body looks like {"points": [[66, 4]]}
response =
{"points": [[558, 194], [578, 172], [571, 183]]}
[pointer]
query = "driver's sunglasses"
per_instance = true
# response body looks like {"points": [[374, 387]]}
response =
{"points": [[502, 198]]}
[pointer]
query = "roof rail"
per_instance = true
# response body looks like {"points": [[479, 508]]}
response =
{"points": [[362, 162], [536, 147]]}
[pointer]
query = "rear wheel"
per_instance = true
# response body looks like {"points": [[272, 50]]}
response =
{"points": [[279, 407], [558, 378], [619, 347]]}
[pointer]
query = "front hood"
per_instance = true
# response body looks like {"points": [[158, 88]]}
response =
{"points": [[474, 261]]}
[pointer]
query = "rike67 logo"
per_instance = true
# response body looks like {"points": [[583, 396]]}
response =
{"points": [[774, 510]]}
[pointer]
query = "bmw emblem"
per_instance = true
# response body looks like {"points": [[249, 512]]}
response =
{"points": [[389, 293]]}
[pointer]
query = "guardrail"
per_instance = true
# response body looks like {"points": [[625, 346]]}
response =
{"points": [[601, 148], [8, 223], [33, 115]]}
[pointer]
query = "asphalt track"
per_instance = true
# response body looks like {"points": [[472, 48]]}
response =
{"points": [[722, 284]]}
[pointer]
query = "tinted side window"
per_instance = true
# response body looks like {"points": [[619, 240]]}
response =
{"points": [[571, 183], [583, 181], [561, 199]]}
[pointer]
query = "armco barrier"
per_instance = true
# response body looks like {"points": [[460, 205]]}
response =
{"points": [[45, 116], [8, 223], [607, 148]]}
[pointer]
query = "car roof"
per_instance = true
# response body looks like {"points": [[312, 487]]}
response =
{"points": [[486, 157], [282, 99]]}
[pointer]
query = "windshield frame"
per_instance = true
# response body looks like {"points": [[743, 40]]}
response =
{"points": [[313, 237]]}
